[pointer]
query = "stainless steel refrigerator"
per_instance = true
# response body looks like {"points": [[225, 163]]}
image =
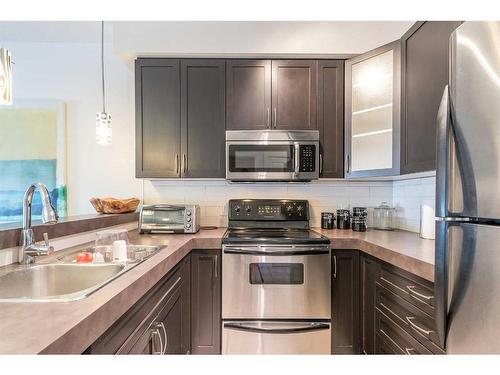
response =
{"points": [[467, 278]]}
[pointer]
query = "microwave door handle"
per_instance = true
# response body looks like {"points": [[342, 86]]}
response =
{"points": [[286, 328], [296, 159]]}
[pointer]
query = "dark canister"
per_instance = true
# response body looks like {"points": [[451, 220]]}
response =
{"points": [[343, 219], [359, 224], [327, 220], [359, 212]]}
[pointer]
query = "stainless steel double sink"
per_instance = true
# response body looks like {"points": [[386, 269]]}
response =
{"points": [[66, 280]]}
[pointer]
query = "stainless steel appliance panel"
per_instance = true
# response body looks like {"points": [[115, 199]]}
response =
{"points": [[474, 170], [277, 337], [272, 155], [467, 287], [291, 284]]}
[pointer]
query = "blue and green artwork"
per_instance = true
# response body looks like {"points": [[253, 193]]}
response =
{"points": [[32, 149]]}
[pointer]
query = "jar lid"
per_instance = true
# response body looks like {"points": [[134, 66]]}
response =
{"points": [[384, 206]]}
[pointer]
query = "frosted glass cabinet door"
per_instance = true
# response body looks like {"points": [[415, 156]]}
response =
{"points": [[372, 112]]}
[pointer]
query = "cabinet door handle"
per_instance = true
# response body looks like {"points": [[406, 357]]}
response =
{"points": [[410, 320], [334, 267], [347, 162], [184, 163], [216, 269], [320, 164], [275, 117], [268, 117], [177, 163], [415, 294], [166, 337], [156, 334]]}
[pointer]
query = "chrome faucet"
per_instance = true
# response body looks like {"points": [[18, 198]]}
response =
{"points": [[28, 249]]}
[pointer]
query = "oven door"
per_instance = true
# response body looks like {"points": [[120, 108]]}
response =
{"points": [[271, 161], [276, 337], [276, 282]]}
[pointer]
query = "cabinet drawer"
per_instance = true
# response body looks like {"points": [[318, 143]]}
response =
{"points": [[413, 320], [411, 288], [392, 339]]}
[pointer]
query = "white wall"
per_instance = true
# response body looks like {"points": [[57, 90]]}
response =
{"points": [[60, 60], [71, 72]]}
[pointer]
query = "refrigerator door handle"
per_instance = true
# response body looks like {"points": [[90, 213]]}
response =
{"points": [[441, 280], [443, 154]]}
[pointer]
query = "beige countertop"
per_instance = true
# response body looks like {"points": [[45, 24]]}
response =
{"points": [[70, 327]]}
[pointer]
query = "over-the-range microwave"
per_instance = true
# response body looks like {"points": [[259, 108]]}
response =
{"points": [[272, 155]]}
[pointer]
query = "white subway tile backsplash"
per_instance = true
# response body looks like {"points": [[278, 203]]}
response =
{"points": [[323, 196]]}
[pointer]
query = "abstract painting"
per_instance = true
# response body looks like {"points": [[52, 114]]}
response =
{"points": [[32, 149]]}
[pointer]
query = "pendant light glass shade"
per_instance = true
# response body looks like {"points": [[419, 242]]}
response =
{"points": [[103, 131], [5, 77]]}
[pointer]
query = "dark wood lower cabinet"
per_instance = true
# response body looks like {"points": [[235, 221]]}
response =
{"points": [[206, 302], [369, 272], [159, 323], [345, 302]]}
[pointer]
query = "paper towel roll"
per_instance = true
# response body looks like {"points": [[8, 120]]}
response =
{"points": [[427, 221]]}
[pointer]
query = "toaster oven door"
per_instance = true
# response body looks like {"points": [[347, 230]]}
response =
{"points": [[162, 218]]}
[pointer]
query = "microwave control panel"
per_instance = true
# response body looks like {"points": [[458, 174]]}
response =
{"points": [[307, 158]]}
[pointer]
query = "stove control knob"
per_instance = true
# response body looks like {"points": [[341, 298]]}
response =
{"points": [[289, 209], [300, 208], [237, 209], [248, 209]]}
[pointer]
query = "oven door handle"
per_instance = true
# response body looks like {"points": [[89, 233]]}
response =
{"points": [[287, 328], [276, 251]]}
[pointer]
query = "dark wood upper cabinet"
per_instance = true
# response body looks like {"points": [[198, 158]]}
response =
{"points": [[206, 302], [294, 94], [345, 302], [203, 118], [425, 61], [248, 88], [157, 96], [331, 117]]}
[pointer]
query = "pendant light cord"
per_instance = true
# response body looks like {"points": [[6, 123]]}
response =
{"points": [[102, 68]]}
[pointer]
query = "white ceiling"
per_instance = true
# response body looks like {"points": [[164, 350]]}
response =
{"points": [[171, 38]]}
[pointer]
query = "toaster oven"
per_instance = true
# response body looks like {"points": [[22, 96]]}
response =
{"points": [[166, 218]]}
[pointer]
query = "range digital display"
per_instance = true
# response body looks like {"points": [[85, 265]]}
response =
{"points": [[269, 210]]}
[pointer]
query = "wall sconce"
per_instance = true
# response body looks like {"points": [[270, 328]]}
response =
{"points": [[5, 77]]}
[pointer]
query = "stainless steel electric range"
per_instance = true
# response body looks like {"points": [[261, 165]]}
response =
{"points": [[276, 284]]}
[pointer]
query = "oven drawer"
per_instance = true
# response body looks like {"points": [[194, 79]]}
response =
{"points": [[290, 285], [276, 337]]}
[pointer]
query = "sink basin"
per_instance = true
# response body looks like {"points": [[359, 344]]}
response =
{"points": [[62, 282]]}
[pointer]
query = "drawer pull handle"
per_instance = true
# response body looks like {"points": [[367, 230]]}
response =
{"points": [[410, 320], [416, 294], [409, 351]]}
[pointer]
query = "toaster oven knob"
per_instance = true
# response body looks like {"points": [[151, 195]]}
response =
{"points": [[188, 220], [188, 212], [188, 225]]}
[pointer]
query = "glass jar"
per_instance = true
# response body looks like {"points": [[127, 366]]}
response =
{"points": [[383, 217]]}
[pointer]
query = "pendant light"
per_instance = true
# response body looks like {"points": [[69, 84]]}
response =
{"points": [[103, 124], [5, 77]]}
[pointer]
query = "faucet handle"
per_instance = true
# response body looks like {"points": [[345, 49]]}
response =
{"points": [[46, 239]]}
